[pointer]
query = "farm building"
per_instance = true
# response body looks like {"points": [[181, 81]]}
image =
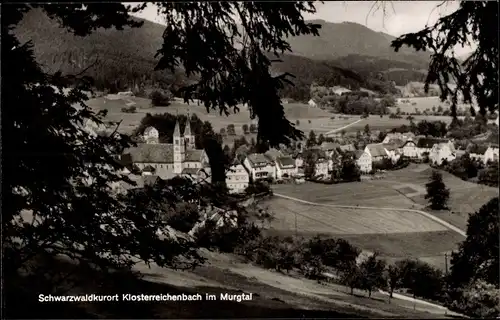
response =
{"points": [[237, 178], [285, 167], [347, 148], [491, 154], [398, 137], [441, 152], [312, 103], [259, 166], [168, 160], [410, 150], [363, 160], [393, 150], [377, 152], [426, 144], [477, 152]]}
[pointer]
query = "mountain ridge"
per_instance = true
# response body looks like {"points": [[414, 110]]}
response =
{"points": [[127, 57]]}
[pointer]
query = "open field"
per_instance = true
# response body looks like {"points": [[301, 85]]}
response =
{"points": [[309, 118], [321, 219], [403, 188], [379, 231], [423, 103]]}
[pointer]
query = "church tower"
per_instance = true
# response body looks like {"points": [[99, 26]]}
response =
{"points": [[179, 149], [188, 136]]}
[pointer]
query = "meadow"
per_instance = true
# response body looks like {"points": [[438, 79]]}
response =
{"points": [[305, 117], [395, 234]]}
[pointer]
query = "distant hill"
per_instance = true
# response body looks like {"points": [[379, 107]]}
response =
{"points": [[348, 38], [126, 58]]}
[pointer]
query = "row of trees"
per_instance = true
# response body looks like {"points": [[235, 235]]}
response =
{"points": [[230, 130]]}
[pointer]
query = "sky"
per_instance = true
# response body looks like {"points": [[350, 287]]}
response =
{"points": [[400, 17]]}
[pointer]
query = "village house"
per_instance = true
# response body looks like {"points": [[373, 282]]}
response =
{"points": [[376, 151], [363, 160], [237, 178], [393, 151], [259, 166], [347, 148], [321, 167], [441, 152], [312, 103], [202, 175], [491, 154], [338, 90], [477, 152], [299, 160], [285, 167], [424, 145], [168, 160], [151, 135], [410, 150], [398, 136], [329, 148]]}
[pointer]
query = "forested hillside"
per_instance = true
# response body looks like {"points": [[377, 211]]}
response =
{"points": [[123, 60]]}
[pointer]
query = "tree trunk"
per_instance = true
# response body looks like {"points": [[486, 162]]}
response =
{"points": [[369, 293], [352, 290], [390, 293]]}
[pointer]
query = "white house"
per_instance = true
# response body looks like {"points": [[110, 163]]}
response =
{"points": [[376, 151], [363, 160], [237, 178], [491, 154], [151, 135], [321, 167], [312, 103], [340, 90], [477, 152], [259, 166], [392, 151], [441, 152], [285, 167], [299, 160], [410, 150], [425, 144]]}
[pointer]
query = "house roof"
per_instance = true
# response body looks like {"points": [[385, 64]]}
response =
{"points": [[273, 154], [148, 130], [429, 142], [327, 146], [258, 159], [408, 142], [358, 154], [150, 180], [347, 147], [391, 146], [148, 168], [285, 161], [376, 150], [478, 149], [192, 171]]}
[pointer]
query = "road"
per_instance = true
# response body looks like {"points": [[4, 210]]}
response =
{"points": [[341, 128], [426, 214]]}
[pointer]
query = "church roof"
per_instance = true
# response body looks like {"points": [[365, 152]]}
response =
{"points": [[187, 130], [193, 155], [177, 130], [152, 153]]}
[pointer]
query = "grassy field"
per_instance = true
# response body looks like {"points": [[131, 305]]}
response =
{"points": [[334, 220], [423, 103], [394, 234], [309, 118]]}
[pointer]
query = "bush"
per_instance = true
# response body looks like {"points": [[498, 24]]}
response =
{"points": [[131, 109], [160, 98]]}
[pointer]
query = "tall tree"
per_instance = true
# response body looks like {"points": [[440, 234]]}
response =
{"points": [[310, 160], [60, 174], [437, 193], [477, 257], [372, 271], [476, 78], [311, 140]]}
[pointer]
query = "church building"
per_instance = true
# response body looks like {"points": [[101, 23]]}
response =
{"points": [[168, 160]]}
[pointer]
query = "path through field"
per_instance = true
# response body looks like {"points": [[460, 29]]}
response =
{"points": [[344, 127], [423, 213]]}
